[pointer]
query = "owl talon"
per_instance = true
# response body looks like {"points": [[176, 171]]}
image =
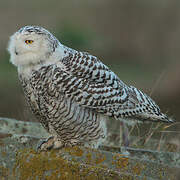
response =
{"points": [[46, 145]]}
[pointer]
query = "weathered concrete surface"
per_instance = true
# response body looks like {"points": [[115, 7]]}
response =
{"points": [[19, 160], [11, 126]]}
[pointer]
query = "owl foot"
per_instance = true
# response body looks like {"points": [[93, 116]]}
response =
{"points": [[50, 143]]}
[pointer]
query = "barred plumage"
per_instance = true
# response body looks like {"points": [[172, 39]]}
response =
{"points": [[73, 123], [72, 93]]}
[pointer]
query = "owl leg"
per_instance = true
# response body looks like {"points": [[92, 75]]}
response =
{"points": [[124, 135], [51, 143]]}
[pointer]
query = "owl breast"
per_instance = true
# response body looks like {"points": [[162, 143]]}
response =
{"points": [[60, 115]]}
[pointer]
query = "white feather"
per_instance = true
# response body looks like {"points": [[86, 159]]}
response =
{"points": [[28, 57]]}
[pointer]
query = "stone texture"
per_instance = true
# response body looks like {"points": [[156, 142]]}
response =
{"points": [[19, 160]]}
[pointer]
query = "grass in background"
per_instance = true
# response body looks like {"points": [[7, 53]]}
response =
{"points": [[75, 37]]}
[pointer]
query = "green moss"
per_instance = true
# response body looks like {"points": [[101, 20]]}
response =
{"points": [[4, 172], [75, 151], [3, 153], [51, 165], [120, 161], [137, 169]]}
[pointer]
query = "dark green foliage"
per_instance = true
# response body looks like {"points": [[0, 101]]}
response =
{"points": [[74, 37]]}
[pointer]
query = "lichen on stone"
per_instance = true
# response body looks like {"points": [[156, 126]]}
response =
{"points": [[4, 172], [52, 165]]}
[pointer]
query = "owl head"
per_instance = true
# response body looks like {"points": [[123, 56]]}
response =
{"points": [[31, 45]]}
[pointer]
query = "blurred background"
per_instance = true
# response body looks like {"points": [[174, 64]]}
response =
{"points": [[139, 40]]}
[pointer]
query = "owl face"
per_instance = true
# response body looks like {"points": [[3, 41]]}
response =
{"points": [[31, 45]]}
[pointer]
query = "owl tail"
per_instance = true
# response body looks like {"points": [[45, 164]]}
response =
{"points": [[160, 117]]}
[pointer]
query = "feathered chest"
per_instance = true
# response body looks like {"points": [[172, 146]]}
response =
{"points": [[31, 93], [36, 89]]}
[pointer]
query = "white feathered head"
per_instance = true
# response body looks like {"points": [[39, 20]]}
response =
{"points": [[31, 45]]}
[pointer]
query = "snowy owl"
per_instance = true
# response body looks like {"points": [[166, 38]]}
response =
{"points": [[73, 93]]}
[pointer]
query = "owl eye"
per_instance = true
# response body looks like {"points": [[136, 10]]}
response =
{"points": [[29, 41]]}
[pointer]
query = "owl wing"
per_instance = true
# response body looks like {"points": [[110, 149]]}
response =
{"points": [[90, 83], [93, 85], [84, 65]]}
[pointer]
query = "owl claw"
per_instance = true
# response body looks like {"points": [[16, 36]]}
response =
{"points": [[50, 143], [46, 145]]}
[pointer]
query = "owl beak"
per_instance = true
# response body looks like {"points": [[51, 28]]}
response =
{"points": [[15, 51]]}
